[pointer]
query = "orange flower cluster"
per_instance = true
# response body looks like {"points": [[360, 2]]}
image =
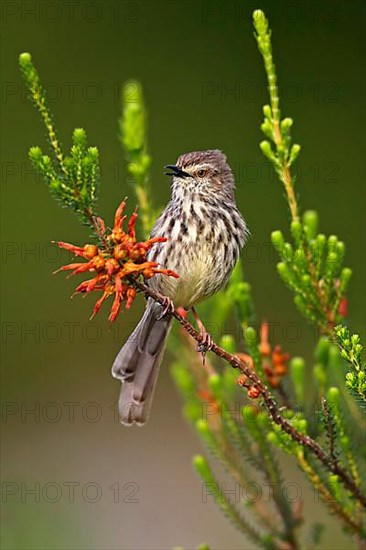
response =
{"points": [[274, 363], [118, 257]]}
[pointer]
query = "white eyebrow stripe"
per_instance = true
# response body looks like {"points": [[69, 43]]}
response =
{"points": [[195, 167]]}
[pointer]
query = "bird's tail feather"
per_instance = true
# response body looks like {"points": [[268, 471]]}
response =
{"points": [[137, 365]]}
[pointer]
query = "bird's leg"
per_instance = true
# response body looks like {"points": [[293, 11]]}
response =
{"points": [[207, 341], [167, 307]]}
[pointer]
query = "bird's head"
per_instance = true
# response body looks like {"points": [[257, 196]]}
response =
{"points": [[202, 172]]}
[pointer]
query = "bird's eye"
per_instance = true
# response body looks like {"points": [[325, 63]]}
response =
{"points": [[201, 173]]}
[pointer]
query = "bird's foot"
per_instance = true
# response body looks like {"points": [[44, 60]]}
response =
{"points": [[167, 307], [205, 345], [206, 339]]}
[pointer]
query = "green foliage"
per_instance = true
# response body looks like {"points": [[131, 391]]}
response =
{"points": [[279, 149], [237, 431], [297, 371], [237, 437], [331, 419], [312, 268], [351, 351], [239, 293], [133, 137], [213, 487], [312, 265], [186, 383], [335, 428], [251, 338], [73, 180]]}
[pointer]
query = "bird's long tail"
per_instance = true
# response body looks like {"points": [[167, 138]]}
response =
{"points": [[137, 365]]}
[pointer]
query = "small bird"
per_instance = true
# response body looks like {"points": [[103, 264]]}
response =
{"points": [[205, 233]]}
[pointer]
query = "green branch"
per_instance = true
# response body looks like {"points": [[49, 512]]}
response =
{"points": [[351, 351], [277, 130], [133, 137], [73, 180], [312, 266], [213, 487], [38, 95]]}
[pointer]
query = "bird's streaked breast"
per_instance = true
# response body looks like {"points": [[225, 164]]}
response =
{"points": [[205, 238]]}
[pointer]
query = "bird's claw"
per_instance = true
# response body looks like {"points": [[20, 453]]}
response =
{"points": [[167, 307], [205, 345]]}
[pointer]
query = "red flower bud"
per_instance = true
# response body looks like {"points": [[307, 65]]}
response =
{"points": [[111, 265], [98, 262], [242, 380], [90, 250], [253, 392], [343, 307]]}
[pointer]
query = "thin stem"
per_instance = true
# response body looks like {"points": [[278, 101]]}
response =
{"points": [[40, 101], [225, 504], [327, 497], [229, 456], [270, 403], [324, 309], [263, 38], [330, 429], [144, 207], [289, 188], [38, 96], [282, 505]]}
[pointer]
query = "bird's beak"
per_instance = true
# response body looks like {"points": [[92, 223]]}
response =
{"points": [[176, 171]]}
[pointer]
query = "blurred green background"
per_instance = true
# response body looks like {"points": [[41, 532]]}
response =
{"points": [[204, 87]]}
